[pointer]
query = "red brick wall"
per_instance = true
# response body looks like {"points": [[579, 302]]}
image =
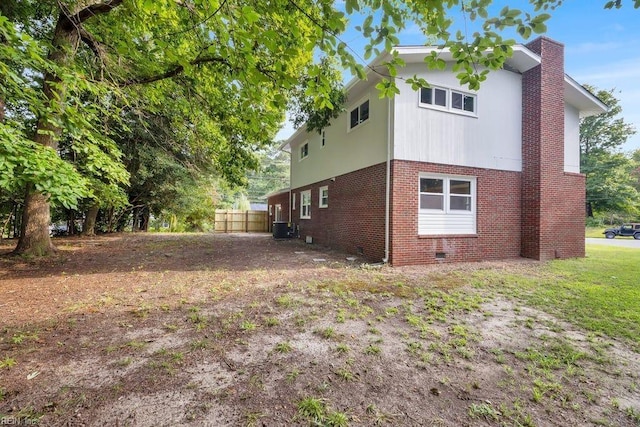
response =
{"points": [[278, 199], [354, 220], [498, 217], [552, 200]]}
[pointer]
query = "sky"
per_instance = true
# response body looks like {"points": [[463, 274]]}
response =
{"points": [[602, 49]]}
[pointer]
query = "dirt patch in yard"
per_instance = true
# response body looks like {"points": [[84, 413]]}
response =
{"points": [[201, 329]]}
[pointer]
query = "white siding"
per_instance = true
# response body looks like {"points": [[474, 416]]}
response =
{"points": [[345, 150], [571, 139], [491, 140], [446, 223]]}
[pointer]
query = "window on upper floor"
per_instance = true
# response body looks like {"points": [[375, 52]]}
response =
{"points": [[324, 138], [324, 197], [448, 100], [433, 96], [305, 204], [304, 150], [359, 115], [463, 101]]}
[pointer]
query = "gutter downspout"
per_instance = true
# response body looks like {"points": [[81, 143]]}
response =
{"points": [[290, 221], [387, 208]]}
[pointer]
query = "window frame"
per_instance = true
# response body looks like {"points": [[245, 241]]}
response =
{"points": [[463, 96], [359, 107], [449, 101], [323, 201], [446, 193], [427, 193], [305, 209], [304, 146], [466, 196], [448, 221]]}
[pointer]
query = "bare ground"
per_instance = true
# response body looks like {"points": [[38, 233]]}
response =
{"points": [[158, 329]]}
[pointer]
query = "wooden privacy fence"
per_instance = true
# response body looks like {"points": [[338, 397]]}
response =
{"points": [[235, 221]]}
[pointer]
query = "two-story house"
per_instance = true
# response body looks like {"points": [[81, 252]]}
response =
{"points": [[444, 173]]}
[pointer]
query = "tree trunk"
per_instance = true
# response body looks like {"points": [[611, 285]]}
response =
{"points": [[89, 228], [34, 237], [16, 220], [144, 226], [135, 227], [71, 222], [110, 220]]}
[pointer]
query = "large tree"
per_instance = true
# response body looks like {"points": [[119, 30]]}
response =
{"points": [[75, 63], [609, 181]]}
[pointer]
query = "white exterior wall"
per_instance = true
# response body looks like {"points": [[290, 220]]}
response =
{"points": [[571, 139], [345, 150], [491, 140]]}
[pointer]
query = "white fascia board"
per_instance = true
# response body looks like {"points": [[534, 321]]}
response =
{"points": [[287, 143], [587, 103], [522, 59]]}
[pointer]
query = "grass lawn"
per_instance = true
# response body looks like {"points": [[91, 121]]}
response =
{"points": [[207, 329], [600, 293], [594, 232]]}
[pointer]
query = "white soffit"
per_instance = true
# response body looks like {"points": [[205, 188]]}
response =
{"points": [[587, 103], [522, 59]]}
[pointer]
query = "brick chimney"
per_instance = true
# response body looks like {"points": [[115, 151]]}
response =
{"points": [[552, 199]]}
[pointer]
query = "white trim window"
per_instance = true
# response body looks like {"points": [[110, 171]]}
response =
{"points": [[304, 150], [446, 204], [323, 197], [451, 100], [305, 204], [359, 114]]}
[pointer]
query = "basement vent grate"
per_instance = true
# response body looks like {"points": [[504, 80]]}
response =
{"points": [[441, 255]]}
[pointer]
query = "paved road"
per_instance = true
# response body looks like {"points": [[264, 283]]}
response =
{"points": [[625, 242]]}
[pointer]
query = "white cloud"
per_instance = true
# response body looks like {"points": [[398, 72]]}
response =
{"points": [[615, 73]]}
